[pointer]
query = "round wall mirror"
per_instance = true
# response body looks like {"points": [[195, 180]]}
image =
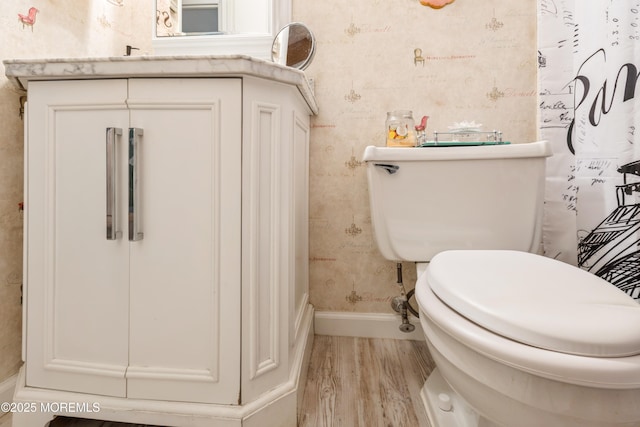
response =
{"points": [[294, 46]]}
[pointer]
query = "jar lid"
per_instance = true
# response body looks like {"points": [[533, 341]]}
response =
{"points": [[401, 113]]}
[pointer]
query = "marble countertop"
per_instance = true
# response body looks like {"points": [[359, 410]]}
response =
{"points": [[21, 71]]}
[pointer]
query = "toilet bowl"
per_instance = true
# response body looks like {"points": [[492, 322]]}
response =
{"points": [[521, 340]]}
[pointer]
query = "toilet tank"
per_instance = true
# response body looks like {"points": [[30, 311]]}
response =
{"points": [[430, 199]]}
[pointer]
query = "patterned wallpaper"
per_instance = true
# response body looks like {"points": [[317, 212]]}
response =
{"points": [[59, 28], [470, 60]]}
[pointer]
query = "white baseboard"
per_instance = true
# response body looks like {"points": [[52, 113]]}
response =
{"points": [[7, 388], [366, 325]]}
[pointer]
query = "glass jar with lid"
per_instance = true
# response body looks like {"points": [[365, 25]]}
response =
{"points": [[400, 129]]}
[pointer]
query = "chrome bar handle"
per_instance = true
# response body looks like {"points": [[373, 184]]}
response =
{"points": [[135, 216], [112, 199], [391, 169]]}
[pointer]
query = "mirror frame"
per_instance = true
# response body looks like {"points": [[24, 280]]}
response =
{"points": [[257, 45]]}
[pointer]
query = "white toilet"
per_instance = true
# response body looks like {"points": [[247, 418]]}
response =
{"points": [[519, 339]]}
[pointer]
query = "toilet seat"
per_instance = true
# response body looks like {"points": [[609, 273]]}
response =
{"points": [[537, 301], [620, 373]]}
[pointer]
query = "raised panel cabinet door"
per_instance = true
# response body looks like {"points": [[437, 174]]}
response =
{"points": [[185, 264], [77, 279]]}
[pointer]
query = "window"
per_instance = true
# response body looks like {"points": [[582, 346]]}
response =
{"points": [[200, 17], [218, 27]]}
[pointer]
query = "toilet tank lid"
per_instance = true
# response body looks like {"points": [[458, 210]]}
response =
{"points": [[506, 151], [537, 301]]}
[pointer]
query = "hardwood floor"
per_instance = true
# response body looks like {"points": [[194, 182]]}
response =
{"points": [[352, 382], [73, 422], [365, 382], [5, 420]]}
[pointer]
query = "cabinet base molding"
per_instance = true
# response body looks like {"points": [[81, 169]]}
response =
{"points": [[277, 408]]}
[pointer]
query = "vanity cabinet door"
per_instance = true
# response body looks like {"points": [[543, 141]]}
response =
{"points": [[77, 281], [155, 315], [184, 342]]}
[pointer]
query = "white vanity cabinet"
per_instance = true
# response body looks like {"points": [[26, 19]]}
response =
{"points": [[166, 271], [150, 316]]}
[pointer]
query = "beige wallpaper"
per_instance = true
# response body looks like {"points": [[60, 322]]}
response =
{"points": [[62, 28], [471, 60]]}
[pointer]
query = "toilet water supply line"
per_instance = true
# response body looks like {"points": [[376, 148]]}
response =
{"points": [[400, 304]]}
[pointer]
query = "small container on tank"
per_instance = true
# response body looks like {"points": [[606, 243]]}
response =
{"points": [[400, 129]]}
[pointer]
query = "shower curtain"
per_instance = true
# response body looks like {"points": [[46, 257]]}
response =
{"points": [[589, 64]]}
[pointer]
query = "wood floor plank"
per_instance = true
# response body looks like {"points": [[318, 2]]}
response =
{"points": [[81, 422], [365, 382], [329, 386], [5, 419], [346, 361], [395, 398]]}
